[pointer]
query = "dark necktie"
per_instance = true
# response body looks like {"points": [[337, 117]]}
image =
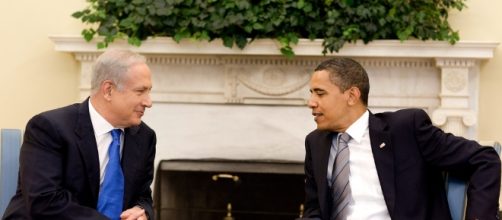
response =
{"points": [[340, 185], [111, 193]]}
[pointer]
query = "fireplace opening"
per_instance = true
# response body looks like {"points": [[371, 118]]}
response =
{"points": [[229, 190]]}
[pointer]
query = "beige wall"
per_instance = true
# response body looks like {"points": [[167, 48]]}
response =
{"points": [[34, 77], [481, 22]]}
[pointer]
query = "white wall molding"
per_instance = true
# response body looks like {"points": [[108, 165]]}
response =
{"points": [[305, 47]]}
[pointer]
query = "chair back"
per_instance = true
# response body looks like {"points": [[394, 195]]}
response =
{"points": [[10, 145], [456, 190]]}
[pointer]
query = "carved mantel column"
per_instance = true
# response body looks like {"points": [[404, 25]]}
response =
{"points": [[86, 60], [455, 114]]}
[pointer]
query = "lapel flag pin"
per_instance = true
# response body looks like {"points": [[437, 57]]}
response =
{"points": [[382, 145]]}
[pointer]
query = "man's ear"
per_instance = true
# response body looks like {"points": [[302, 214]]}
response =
{"points": [[106, 89], [354, 95]]}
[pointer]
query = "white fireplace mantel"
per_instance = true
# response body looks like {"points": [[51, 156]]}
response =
{"points": [[305, 47], [213, 101]]}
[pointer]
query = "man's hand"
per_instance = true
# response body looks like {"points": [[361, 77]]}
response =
{"points": [[134, 213]]}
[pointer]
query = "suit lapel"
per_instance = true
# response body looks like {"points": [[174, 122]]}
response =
{"points": [[381, 147], [88, 148], [325, 144], [322, 157]]}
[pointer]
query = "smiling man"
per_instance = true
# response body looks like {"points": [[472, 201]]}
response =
{"points": [[92, 160], [360, 165]]}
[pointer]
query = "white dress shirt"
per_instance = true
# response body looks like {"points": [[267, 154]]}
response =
{"points": [[368, 201], [103, 136]]}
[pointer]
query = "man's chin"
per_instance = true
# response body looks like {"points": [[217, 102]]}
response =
{"points": [[135, 123], [322, 128]]}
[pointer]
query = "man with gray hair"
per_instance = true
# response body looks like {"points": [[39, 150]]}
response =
{"points": [[91, 160]]}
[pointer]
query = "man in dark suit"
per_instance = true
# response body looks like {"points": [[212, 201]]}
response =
{"points": [[64, 156], [396, 158]]}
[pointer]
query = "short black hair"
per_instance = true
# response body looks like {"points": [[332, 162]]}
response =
{"points": [[346, 73]]}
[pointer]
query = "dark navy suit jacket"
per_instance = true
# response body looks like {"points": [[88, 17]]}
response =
{"points": [[59, 167], [410, 168]]}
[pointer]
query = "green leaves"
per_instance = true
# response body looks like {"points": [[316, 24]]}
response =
{"points": [[238, 22], [88, 34], [286, 41]]}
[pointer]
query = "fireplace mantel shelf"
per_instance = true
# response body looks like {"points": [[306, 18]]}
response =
{"points": [[305, 47]]}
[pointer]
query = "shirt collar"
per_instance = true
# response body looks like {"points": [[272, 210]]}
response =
{"points": [[101, 125], [356, 130]]}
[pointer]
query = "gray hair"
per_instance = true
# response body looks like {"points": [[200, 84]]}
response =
{"points": [[345, 73], [113, 65]]}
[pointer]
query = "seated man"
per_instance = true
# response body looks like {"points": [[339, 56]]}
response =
{"points": [[361, 165], [91, 160]]}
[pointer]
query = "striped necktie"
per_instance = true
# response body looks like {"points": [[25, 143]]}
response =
{"points": [[111, 193], [340, 180]]}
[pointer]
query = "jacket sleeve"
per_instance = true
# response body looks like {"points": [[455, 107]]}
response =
{"points": [[41, 175], [480, 166]]}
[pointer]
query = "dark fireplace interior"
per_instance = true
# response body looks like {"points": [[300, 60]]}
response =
{"points": [[229, 190]]}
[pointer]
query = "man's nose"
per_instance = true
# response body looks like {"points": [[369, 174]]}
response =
{"points": [[311, 103], [147, 102]]}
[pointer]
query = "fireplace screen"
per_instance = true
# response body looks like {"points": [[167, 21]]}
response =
{"points": [[229, 190]]}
